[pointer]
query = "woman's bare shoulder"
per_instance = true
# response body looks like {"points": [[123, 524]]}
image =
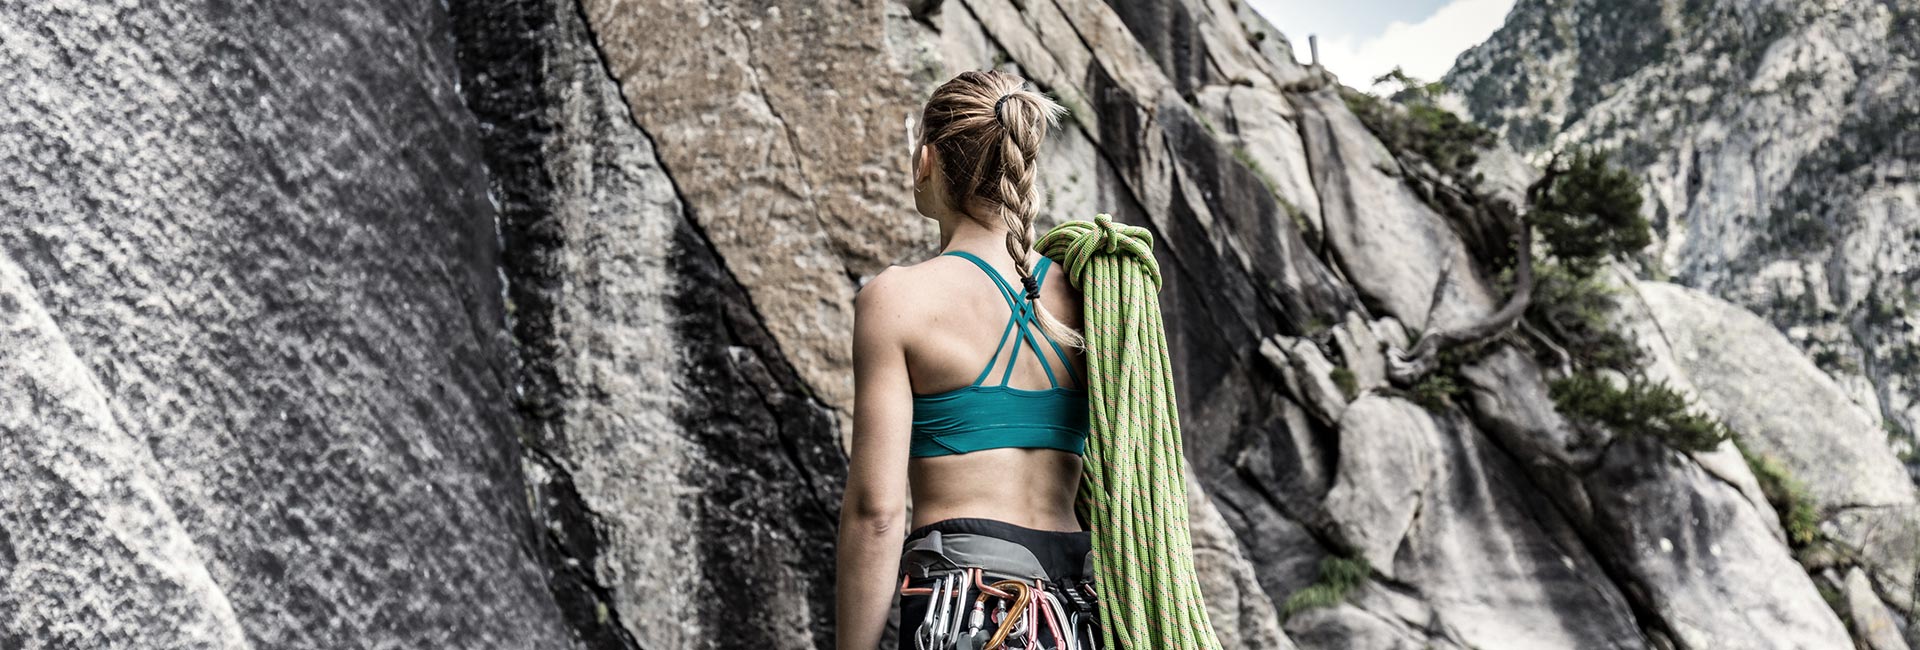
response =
{"points": [[896, 292], [906, 282]]}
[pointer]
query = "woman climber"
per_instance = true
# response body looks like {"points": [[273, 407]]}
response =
{"points": [[971, 388]]}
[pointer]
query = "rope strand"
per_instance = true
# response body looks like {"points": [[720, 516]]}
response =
{"points": [[1133, 491]]}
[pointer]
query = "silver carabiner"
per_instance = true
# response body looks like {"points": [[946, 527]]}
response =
{"points": [[1062, 627], [945, 602], [959, 610], [923, 638]]}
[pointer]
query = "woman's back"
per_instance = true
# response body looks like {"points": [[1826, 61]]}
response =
{"points": [[967, 399], [960, 341]]}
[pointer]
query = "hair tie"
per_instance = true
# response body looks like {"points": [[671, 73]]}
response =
{"points": [[1033, 288], [996, 109]]}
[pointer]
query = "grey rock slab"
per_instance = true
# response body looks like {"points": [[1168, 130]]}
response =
{"points": [[1509, 394], [1886, 540], [1877, 628], [1261, 126], [1362, 351], [1390, 244], [1345, 626], [674, 450], [1494, 561], [1388, 455], [1243, 615], [1700, 558], [1308, 374], [807, 94], [1742, 367]]}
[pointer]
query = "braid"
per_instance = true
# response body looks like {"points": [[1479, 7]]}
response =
{"points": [[1024, 119]]}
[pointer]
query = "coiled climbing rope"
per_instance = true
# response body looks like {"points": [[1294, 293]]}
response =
{"points": [[1133, 492]]}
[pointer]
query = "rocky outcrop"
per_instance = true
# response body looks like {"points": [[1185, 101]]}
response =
{"points": [[1776, 144], [1242, 613], [1699, 558], [793, 156], [1738, 364], [1739, 367]]}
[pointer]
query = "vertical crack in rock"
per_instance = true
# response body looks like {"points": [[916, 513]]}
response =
{"points": [[1323, 250], [1319, 173], [745, 325], [1168, 33], [1561, 488], [572, 540], [1645, 615], [505, 50], [688, 486], [765, 566]]}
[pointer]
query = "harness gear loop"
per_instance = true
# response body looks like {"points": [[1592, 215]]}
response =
{"points": [[1133, 491]]}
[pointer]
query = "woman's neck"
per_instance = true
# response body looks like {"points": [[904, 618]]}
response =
{"points": [[961, 232]]}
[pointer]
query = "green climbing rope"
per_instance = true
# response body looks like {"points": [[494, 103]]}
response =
{"points": [[1134, 493]]}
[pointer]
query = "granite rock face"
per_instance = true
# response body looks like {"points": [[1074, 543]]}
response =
{"points": [[1705, 565], [257, 376], [787, 131], [94, 483], [524, 323]]}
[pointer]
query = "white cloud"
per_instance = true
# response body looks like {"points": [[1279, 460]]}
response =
{"points": [[1425, 50]]}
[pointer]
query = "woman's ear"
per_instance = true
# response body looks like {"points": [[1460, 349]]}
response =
{"points": [[923, 166]]}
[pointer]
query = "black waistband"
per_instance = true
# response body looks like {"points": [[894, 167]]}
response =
{"points": [[1061, 553]]}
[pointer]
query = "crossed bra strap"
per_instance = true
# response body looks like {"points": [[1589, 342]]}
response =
{"points": [[1023, 320]]}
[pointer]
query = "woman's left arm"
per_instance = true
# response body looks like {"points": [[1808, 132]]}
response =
{"points": [[873, 515]]}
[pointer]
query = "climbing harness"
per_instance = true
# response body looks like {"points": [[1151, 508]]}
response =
{"points": [[987, 593], [1133, 491], [1025, 615]]}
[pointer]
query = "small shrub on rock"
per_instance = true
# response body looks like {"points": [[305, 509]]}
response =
{"points": [[1576, 311], [1641, 408], [1790, 497], [1435, 390], [1591, 211], [1339, 576], [1410, 121], [1343, 378]]}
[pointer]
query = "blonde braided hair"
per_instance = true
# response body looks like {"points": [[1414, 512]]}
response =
{"points": [[988, 126]]}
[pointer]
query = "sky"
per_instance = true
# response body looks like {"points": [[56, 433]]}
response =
{"points": [[1362, 39]]}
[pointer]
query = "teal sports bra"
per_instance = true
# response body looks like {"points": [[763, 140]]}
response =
{"points": [[978, 416]]}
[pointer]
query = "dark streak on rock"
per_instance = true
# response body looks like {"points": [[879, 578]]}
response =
{"points": [[504, 47], [768, 451], [774, 464], [1171, 36], [1121, 122]]}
